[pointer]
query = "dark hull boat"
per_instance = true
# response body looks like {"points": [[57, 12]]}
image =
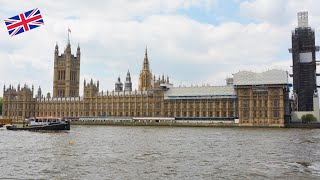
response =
{"points": [[51, 127], [43, 124]]}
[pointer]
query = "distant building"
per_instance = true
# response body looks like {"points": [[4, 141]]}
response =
{"points": [[304, 64]]}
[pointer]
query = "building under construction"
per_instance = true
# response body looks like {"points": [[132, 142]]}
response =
{"points": [[304, 64]]}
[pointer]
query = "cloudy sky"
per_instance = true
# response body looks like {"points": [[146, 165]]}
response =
{"points": [[192, 41]]}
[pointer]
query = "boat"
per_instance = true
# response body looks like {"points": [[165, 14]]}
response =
{"points": [[42, 123]]}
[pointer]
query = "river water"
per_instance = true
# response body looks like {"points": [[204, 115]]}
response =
{"points": [[116, 152]]}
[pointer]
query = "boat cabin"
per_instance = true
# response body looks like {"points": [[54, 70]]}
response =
{"points": [[36, 121]]}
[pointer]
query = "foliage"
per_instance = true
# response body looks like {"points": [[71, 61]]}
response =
{"points": [[308, 118]]}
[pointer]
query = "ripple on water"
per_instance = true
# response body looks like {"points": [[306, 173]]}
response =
{"points": [[105, 152]]}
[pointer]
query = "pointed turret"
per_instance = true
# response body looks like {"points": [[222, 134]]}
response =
{"points": [[146, 61], [128, 83], [56, 49], [68, 49], [39, 94], [168, 79], [56, 52], [145, 77], [78, 52]]}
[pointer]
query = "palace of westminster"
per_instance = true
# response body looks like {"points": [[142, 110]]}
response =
{"points": [[254, 102], [252, 99]]}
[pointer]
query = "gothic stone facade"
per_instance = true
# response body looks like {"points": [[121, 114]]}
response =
{"points": [[155, 98]]}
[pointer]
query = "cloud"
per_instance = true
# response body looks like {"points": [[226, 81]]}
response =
{"points": [[113, 35]]}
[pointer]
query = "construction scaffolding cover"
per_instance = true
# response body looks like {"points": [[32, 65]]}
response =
{"points": [[269, 77], [203, 92]]}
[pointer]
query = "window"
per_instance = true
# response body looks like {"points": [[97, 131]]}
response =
{"points": [[245, 113], [245, 103], [275, 103], [275, 113], [224, 114]]}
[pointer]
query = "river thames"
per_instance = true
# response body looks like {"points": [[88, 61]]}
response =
{"points": [[116, 152]]}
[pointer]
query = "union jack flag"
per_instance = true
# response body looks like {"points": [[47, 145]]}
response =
{"points": [[24, 22]]}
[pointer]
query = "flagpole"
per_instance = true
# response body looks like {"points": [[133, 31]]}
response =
{"points": [[68, 36]]}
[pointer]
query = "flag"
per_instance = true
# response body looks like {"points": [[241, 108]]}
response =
{"points": [[24, 22]]}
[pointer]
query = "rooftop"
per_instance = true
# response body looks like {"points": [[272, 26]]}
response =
{"points": [[269, 77], [204, 92]]}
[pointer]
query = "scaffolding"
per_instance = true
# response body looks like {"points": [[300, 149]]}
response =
{"points": [[304, 63]]}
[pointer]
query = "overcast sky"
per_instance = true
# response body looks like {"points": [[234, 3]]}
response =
{"points": [[192, 41]]}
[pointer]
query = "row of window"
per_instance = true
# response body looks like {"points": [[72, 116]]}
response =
{"points": [[150, 113], [262, 114]]}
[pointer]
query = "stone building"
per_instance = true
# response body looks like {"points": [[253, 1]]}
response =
{"points": [[263, 98], [145, 78], [256, 99], [66, 75]]}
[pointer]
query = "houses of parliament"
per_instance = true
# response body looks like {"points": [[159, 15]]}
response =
{"points": [[253, 98]]}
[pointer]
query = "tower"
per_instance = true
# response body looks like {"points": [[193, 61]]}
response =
{"points": [[304, 63], [39, 94], [90, 89], [118, 86], [128, 83], [145, 75], [66, 74]]}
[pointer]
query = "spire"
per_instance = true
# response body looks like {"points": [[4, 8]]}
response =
{"points": [[56, 50], [128, 83], [146, 52], [4, 87], [39, 94], [57, 47], [167, 79], [146, 61], [78, 48], [128, 78], [78, 52]]}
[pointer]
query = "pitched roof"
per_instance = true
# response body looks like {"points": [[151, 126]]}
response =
{"points": [[269, 77], [205, 92]]}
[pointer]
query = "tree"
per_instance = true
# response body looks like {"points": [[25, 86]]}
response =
{"points": [[308, 118], [0, 105]]}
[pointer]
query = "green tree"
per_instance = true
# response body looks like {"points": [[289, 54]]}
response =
{"points": [[0, 105], [308, 118]]}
